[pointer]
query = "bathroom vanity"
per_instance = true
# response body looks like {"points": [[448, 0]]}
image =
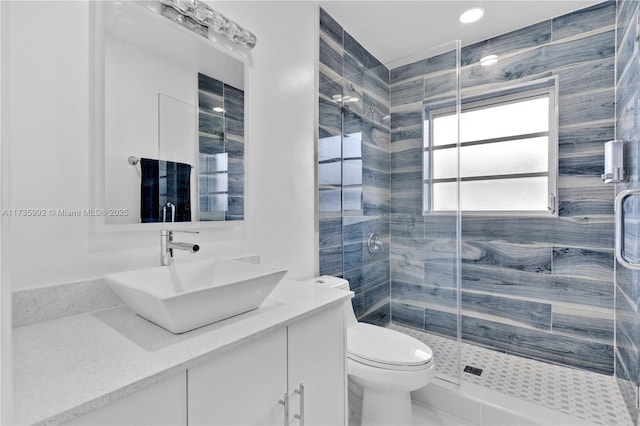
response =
{"points": [[284, 362]]}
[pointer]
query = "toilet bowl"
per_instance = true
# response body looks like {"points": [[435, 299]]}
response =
{"points": [[387, 365]]}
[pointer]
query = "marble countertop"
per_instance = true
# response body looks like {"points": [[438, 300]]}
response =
{"points": [[69, 366]]}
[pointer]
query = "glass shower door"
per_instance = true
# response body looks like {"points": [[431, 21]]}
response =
{"points": [[425, 258], [442, 108]]}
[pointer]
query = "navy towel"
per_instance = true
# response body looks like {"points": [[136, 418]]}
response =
{"points": [[165, 182]]}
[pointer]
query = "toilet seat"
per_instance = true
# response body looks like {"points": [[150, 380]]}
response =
{"points": [[388, 349]]}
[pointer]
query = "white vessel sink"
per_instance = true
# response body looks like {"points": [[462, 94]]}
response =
{"points": [[187, 296]]}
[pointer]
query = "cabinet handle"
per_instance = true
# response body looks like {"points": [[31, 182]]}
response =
{"points": [[301, 415], [285, 401]]}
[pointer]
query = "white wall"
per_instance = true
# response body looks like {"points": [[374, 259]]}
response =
{"points": [[6, 370], [49, 160]]}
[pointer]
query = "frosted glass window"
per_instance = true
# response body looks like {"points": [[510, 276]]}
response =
{"points": [[330, 200], [215, 203], [330, 173], [516, 195], [502, 158], [214, 183], [210, 163], [505, 160], [445, 196], [352, 172], [445, 130], [425, 165], [352, 198], [352, 145], [514, 118], [524, 194], [329, 148], [445, 163]]}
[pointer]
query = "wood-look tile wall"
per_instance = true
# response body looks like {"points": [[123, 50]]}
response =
{"points": [[540, 287], [353, 168]]}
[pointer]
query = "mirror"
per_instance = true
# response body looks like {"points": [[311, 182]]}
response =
{"points": [[170, 111]]}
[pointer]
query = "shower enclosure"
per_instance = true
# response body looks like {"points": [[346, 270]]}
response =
{"points": [[483, 188]]}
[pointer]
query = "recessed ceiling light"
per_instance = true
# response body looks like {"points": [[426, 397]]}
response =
{"points": [[471, 15], [218, 109], [485, 61]]}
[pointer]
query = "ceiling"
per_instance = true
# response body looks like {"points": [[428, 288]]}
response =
{"points": [[401, 32]]}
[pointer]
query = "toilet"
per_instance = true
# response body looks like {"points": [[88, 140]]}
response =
{"points": [[387, 365]]}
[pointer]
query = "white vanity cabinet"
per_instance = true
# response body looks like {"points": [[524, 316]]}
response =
{"points": [[252, 383], [317, 359], [285, 364], [163, 403], [241, 386]]}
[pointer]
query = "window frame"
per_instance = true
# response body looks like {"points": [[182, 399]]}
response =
{"points": [[513, 94]]}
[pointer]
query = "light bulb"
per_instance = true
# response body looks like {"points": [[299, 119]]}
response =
{"points": [[471, 15]]}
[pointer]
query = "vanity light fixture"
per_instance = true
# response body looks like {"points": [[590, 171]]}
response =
{"points": [[485, 61], [200, 18], [471, 15]]}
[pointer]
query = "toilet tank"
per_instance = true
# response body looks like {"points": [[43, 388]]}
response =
{"points": [[333, 282], [341, 284]]}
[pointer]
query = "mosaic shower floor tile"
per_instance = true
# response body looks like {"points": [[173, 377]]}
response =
{"points": [[583, 394]]}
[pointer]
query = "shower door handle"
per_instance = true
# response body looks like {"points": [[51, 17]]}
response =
{"points": [[619, 227]]}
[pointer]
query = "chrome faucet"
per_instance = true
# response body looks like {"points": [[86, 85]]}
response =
{"points": [[167, 245], [172, 209]]}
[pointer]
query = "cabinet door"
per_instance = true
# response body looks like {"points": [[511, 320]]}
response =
{"points": [[242, 386], [317, 359], [164, 403]]}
